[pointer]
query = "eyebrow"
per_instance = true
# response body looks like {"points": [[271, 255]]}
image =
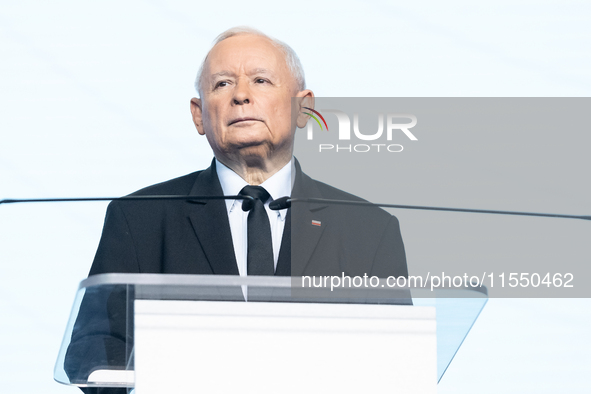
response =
{"points": [[231, 74], [264, 71], [222, 74], [261, 71]]}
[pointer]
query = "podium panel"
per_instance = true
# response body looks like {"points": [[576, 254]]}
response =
{"points": [[203, 346]]}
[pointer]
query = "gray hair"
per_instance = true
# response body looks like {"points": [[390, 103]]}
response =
{"points": [[291, 58]]}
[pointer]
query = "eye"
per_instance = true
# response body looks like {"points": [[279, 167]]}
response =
{"points": [[221, 84], [260, 80]]}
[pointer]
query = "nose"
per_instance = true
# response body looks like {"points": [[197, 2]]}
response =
{"points": [[241, 93]]}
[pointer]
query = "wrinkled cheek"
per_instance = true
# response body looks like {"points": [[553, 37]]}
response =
{"points": [[210, 126], [282, 115], [207, 123], [215, 136]]}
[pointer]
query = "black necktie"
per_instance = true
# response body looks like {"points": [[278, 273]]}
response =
{"points": [[259, 258]]}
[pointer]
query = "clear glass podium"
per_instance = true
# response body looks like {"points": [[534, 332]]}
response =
{"points": [[101, 343]]}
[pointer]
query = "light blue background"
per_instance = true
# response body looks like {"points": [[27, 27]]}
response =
{"points": [[94, 101]]}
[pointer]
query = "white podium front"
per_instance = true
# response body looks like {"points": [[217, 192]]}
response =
{"points": [[274, 347]]}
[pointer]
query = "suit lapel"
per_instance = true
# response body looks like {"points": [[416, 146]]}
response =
{"points": [[209, 219], [300, 234]]}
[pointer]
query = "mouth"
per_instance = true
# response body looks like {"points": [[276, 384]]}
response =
{"points": [[241, 120]]}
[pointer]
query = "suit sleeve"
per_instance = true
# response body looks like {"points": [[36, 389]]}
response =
{"points": [[390, 259], [116, 251], [102, 338]]}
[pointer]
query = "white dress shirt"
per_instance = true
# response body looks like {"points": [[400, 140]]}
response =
{"points": [[278, 185]]}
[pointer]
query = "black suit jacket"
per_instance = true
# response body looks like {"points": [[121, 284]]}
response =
{"points": [[193, 237]]}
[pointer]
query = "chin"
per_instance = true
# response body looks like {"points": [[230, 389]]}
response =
{"points": [[253, 150]]}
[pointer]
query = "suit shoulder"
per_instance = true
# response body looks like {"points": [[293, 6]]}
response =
{"points": [[177, 186], [331, 192]]}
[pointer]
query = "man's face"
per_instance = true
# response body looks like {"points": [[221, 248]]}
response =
{"points": [[245, 107]]}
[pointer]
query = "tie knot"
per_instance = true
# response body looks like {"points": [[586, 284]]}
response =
{"points": [[256, 192]]}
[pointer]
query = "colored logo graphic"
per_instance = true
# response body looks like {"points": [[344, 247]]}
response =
{"points": [[316, 119]]}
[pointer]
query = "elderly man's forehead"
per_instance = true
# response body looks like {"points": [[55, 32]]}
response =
{"points": [[261, 42]]}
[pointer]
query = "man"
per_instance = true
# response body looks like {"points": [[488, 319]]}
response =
{"points": [[246, 85]]}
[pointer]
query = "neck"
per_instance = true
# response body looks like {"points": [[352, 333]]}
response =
{"points": [[255, 172]]}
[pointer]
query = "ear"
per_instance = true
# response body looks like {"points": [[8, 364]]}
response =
{"points": [[196, 112], [305, 99]]}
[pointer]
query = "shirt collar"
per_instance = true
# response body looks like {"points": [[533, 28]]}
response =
{"points": [[278, 185]]}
